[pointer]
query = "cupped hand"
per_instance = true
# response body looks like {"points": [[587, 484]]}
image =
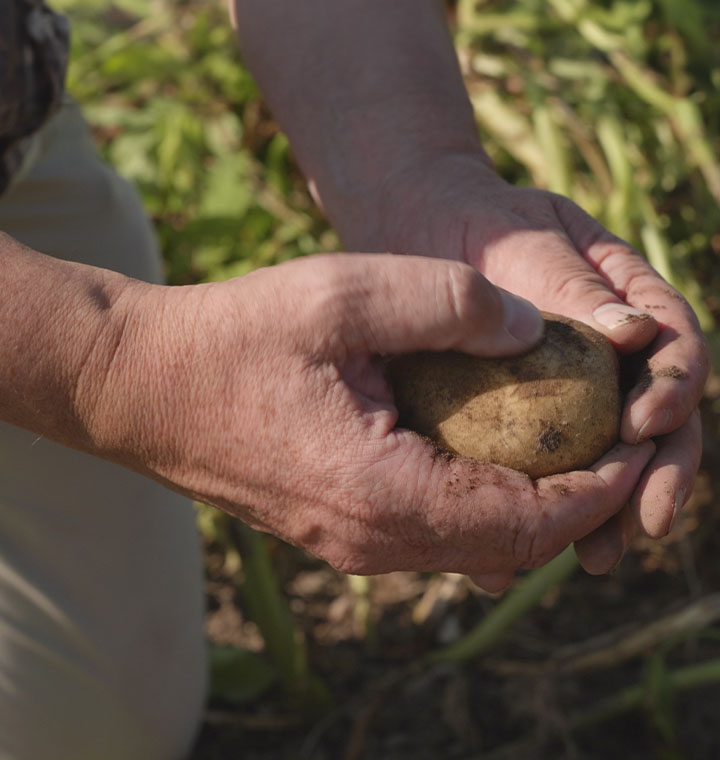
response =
{"points": [[546, 249], [265, 396]]}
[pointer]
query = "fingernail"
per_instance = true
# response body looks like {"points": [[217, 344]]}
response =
{"points": [[656, 424], [678, 504], [612, 315], [522, 320]]}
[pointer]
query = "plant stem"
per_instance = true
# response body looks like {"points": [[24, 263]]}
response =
{"points": [[631, 698], [270, 612], [622, 702], [514, 606]]}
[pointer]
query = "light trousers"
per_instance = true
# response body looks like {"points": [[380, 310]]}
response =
{"points": [[102, 652]]}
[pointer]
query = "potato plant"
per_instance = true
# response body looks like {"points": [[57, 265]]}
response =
{"points": [[615, 103]]}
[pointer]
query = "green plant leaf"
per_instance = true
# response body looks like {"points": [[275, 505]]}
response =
{"points": [[238, 675]]}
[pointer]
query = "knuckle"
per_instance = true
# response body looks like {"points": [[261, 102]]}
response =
{"points": [[350, 563], [578, 284], [632, 275], [533, 545], [356, 548], [465, 292], [700, 350], [493, 582], [626, 266], [523, 545], [323, 303], [324, 285], [359, 555], [347, 552]]}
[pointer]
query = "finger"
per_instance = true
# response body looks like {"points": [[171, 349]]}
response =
{"points": [[603, 302], [487, 521], [395, 304], [668, 482], [493, 582], [603, 549], [661, 493], [672, 383], [569, 285], [599, 494]]}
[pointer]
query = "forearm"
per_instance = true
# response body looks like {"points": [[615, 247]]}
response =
{"points": [[59, 325], [365, 89]]}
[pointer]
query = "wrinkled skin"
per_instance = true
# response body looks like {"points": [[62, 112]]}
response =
{"points": [[546, 249], [381, 125], [265, 396]]}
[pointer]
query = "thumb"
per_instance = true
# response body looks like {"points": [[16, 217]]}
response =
{"points": [[401, 304]]}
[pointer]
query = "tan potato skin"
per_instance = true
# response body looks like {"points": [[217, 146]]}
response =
{"points": [[553, 409]]}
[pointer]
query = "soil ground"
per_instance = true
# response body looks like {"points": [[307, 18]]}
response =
{"points": [[386, 706]]}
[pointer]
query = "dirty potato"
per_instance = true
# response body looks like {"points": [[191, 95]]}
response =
{"points": [[553, 409]]}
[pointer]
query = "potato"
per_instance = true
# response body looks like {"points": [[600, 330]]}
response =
{"points": [[553, 409]]}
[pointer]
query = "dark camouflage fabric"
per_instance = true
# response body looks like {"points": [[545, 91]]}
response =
{"points": [[34, 44]]}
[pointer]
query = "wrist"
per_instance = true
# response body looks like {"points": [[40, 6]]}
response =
{"points": [[115, 367], [152, 395], [394, 215], [364, 97], [376, 155], [59, 323]]}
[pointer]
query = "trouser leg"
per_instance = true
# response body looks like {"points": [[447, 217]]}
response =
{"points": [[102, 650]]}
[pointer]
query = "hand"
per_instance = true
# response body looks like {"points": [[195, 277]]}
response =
{"points": [[546, 249], [265, 396]]}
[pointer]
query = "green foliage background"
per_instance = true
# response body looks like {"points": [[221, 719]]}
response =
{"points": [[175, 111], [616, 104]]}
